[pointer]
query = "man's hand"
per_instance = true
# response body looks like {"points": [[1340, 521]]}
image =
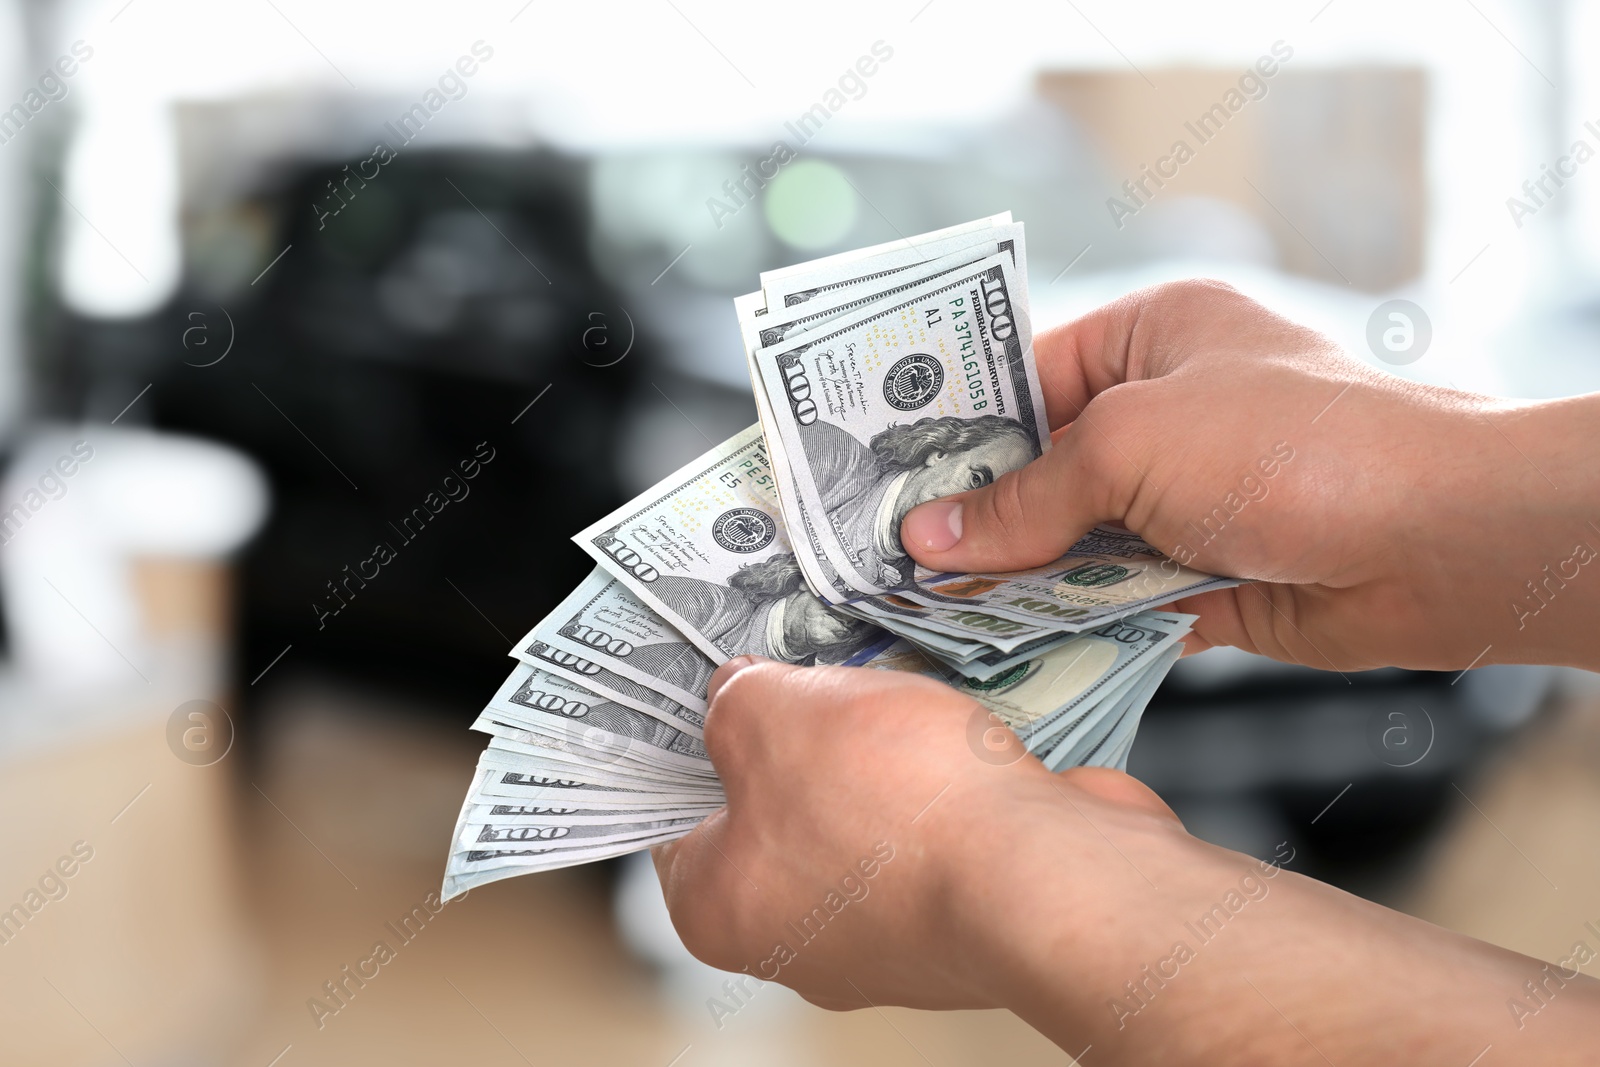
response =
{"points": [[1385, 523], [869, 855], [866, 848]]}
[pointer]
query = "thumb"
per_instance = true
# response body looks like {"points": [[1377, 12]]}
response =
{"points": [[1028, 516]]}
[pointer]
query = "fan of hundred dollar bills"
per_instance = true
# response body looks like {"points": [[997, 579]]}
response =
{"points": [[884, 377]]}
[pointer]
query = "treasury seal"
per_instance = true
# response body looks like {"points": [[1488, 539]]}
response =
{"points": [[744, 530], [913, 381]]}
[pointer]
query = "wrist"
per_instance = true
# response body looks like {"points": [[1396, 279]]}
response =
{"points": [[1531, 545], [1487, 539], [1115, 929], [1055, 903], [1552, 611]]}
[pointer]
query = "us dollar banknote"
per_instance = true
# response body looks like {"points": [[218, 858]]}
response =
{"points": [[505, 778], [921, 396], [850, 293], [554, 836], [535, 650], [1049, 696], [960, 631], [802, 283], [707, 549], [560, 708], [1109, 573], [603, 622], [511, 814], [473, 867], [1109, 747], [591, 755]]}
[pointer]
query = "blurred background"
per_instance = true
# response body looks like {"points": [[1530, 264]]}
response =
{"points": [[269, 271]]}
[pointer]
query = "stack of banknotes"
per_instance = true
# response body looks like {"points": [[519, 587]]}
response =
{"points": [[884, 378]]}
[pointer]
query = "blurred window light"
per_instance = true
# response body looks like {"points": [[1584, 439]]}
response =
{"points": [[1582, 121], [651, 198], [811, 204], [121, 250], [694, 93]]}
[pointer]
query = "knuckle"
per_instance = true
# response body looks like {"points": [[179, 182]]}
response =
{"points": [[1213, 286], [1191, 291], [1172, 313]]}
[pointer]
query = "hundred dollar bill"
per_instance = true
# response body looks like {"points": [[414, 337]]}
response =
{"points": [[559, 757], [964, 634], [1079, 686], [803, 282], [554, 834], [1107, 717], [586, 795], [1118, 757], [1108, 574], [811, 556], [560, 708], [603, 754], [1113, 752], [1099, 725], [468, 867], [469, 870], [1054, 694], [849, 273], [502, 784], [1045, 698], [960, 631], [1110, 750], [511, 814], [472, 863], [930, 393], [1119, 748], [534, 649], [707, 549], [852, 293], [543, 857], [1020, 598], [606, 624], [996, 662]]}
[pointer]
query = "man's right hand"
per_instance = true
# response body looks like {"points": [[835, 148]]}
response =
{"points": [[1383, 522]]}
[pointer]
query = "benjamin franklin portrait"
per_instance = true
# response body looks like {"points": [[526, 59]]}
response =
{"points": [[768, 610], [867, 489]]}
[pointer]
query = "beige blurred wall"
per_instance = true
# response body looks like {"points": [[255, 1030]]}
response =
{"points": [[139, 952], [1330, 161]]}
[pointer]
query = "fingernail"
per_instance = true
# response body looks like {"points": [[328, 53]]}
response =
{"points": [[935, 525], [720, 677]]}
